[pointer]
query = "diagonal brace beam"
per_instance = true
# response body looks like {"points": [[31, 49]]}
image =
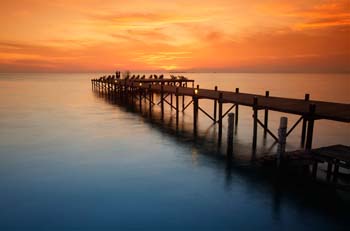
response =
{"points": [[169, 104], [187, 105], [294, 126], [228, 110], [206, 113], [163, 99], [268, 131]]}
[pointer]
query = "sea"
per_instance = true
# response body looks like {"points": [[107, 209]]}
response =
{"points": [[72, 158]]}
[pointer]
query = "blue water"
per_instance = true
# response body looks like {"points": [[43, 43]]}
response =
{"points": [[71, 160]]}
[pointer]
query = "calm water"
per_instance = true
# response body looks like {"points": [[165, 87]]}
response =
{"points": [[70, 159]]}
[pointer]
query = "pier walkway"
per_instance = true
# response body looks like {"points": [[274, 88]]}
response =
{"points": [[142, 88]]}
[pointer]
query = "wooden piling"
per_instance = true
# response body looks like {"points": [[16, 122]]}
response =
{"points": [[171, 101], [230, 131], [282, 137], [183, 102], [215, 105], [133, 95], [236, 110], [336, 171], [266, 116], [140, 95], [177, 105], [195, 111], [255, 122], [303, 129], [162, 100], [150, 100], [310, 127], [220, 117]]}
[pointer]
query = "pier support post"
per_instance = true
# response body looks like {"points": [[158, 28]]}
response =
{"points": [[303, 129], [183, 102], [162, 100], [230, 130], [310, 127], [195, 112], [236, 110], [150, 100], [177, 106], [140, 95], [215, 106], [266, 116], [171, 101], [282, 137], [126, 92], [120, 90], [132, 94], [255, 122], [220, 117]]}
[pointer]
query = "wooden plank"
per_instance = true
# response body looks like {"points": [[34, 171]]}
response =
{"points": [[340, 152]]}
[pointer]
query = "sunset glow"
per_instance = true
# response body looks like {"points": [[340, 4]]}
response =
{"points": [[178, 35]]}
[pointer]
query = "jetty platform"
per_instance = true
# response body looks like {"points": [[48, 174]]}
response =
{"points": [[171, 89], [138, 90]]}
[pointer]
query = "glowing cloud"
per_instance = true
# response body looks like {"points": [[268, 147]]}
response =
{"points": [[221, 35]]}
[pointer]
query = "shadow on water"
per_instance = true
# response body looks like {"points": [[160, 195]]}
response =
{"points": [[283, 187]]}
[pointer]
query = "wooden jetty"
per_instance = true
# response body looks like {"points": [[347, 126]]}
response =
{"points": [[139, 87], [172, 92]]}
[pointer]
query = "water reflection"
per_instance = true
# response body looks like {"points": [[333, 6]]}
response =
{"points": [[77, 161], [280, 187]]}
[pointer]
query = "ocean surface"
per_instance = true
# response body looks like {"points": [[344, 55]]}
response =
{"points": [[70, 159]]}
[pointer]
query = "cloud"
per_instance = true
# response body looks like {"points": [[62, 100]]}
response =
{"points": [[247, 35], [323, 15]]}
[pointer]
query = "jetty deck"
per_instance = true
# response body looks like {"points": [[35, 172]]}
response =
{"points": [[325, 110], [144, 88]]}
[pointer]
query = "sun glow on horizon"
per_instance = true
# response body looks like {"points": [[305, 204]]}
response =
{"points": [[223, 35]]}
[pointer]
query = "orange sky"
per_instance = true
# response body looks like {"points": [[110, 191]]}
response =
{"points": [[196, 35]]}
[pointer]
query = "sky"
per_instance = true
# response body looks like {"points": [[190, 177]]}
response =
{"points": [[175, 35]]}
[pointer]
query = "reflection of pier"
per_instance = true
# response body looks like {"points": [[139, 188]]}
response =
{"points": [[141, 92]]}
